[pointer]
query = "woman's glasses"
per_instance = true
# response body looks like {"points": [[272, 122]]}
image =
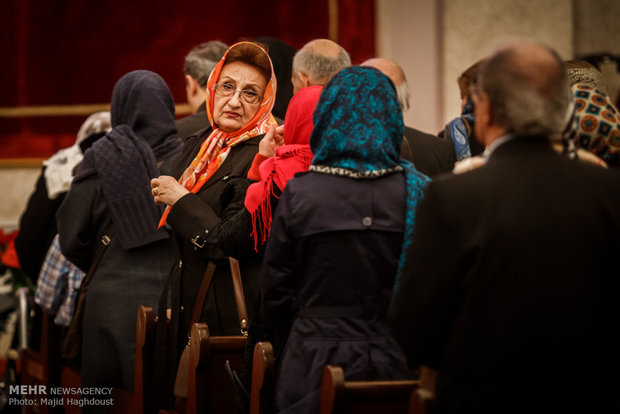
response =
{"points": [[228, 90]]}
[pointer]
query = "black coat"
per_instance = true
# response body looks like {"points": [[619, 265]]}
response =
{"points": [[37, 225], [200, 215], [124, 280], [37, 228], [327, 277], [431, 155], [193, 123], [511, 285]]}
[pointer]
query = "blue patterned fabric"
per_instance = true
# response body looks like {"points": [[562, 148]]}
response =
{"points": [[458, 131], [358, 132], [57, 285]]}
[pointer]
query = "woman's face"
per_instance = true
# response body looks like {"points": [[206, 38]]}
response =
{"points": [[231, 113]]}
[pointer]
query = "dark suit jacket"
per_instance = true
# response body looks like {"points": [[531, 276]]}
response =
{"points": [[193, 123], [199, 215], [430, 154], [194, 220], [511, 285]]}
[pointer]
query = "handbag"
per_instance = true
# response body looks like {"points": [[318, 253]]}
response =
{"points": [[180, 383], [71, 350]]}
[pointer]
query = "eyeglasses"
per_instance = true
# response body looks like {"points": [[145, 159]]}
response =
{"points": [[228, 90]]}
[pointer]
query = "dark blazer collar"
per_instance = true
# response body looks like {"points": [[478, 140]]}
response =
{"points": [[522, 145]]}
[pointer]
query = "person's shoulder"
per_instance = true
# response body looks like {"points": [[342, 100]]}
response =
{"points": [[416, 136], [191, 125], [596, 173], [416, 133]]}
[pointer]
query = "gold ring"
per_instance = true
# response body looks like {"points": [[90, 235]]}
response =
{"points": [[155, 191]]}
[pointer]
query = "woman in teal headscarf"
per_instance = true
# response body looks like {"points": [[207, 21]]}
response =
{"points": [[333, 254]]}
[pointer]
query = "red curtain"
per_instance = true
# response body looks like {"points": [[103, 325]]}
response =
{"points": [[72, 52]]}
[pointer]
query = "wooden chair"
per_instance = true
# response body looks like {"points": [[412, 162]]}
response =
{"points": [[42, 366], [423, 398], [142, 400], [340, 396], [209, 389], [70, 378], [261, 398]]}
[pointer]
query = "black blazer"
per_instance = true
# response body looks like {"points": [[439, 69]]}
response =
{"points": [[431, 155], [511, 285], [194, 219], [193, 123]]}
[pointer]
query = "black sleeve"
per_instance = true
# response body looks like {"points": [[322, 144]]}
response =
{"points": [[79, 219], [278, 278], [195, 222], [429, 294], [235, 232], [37, 228]]}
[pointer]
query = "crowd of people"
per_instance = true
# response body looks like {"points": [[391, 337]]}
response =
{"points": [[484, 252]]}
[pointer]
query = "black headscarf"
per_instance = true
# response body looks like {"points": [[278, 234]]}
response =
{"points": [[281, 55], [125, 159]]}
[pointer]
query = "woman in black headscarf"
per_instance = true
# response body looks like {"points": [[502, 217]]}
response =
{"points": [[112, 191]]}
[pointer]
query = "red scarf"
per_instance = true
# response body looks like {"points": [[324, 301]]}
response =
{"points": [[293, 157]]}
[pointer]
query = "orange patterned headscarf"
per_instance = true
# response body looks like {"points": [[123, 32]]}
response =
{"points": [[216, 147]]}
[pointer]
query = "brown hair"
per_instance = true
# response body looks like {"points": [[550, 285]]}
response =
{"points": [[468, 77], [253, 54]]}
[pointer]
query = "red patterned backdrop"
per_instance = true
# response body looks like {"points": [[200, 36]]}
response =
{"points": [[72, 52]]}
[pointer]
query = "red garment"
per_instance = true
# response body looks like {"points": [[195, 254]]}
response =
{"points": [[298, 119], [293, 157], [254, 174]]}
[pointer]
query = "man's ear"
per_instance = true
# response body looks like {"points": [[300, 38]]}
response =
{"points": [[299, 80], [483, 106], [191, 86], [303, 79]]}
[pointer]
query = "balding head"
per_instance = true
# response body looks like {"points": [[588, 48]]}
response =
{"points": [[396, 74], [527, 89], [317, 62]]}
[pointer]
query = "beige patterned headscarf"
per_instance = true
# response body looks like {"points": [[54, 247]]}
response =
{"points": [[59, 167]]}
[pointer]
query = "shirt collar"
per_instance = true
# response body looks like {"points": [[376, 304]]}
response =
{"points": [[499, 141]]}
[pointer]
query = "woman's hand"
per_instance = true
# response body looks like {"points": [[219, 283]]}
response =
{"points": [[273, 139], [167, 190]]}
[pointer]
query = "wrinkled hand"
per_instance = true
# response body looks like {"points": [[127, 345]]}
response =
{"points": [[167, 190], [273, 139]]}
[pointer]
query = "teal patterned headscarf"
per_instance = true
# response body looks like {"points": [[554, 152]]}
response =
{"points": [[358, 132]]}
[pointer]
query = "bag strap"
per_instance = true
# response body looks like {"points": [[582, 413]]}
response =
{"points": [[239, 297], [202, 293], [106, 239]]}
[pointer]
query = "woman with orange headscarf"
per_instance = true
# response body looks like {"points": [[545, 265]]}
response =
{"points": [[239, 98]]}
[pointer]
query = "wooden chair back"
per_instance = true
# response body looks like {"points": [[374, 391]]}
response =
{"points": [[70, 378], [41, 366], [142, 400], [261, 394], [209, 388], [361, 397]]}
